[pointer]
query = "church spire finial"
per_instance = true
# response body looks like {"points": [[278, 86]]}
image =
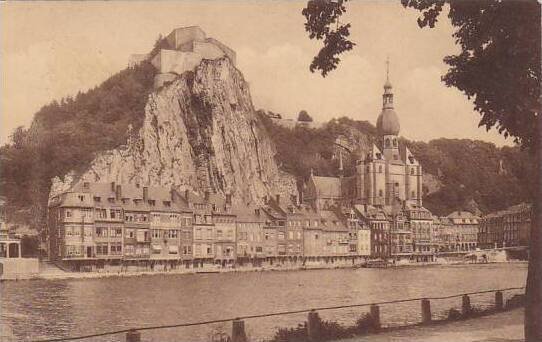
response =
{"points": [[387, 85], [388, 68]]}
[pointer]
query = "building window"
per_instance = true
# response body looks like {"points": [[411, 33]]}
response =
{"points": [[101, 249], [412, 171], [380, 169], [101, 232], [116, 248], [388, 142], [413, 194], [395, 142], [380, 193]]}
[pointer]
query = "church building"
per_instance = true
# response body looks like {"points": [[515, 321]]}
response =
{"points": [[388, 176]]}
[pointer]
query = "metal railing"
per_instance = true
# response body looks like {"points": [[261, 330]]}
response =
{"points": [[133, 334]]}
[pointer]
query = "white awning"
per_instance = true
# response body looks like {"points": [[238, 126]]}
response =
{"points": [[157, 247], [173, 249]]}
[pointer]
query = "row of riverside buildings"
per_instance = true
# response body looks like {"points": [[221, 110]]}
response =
{"points": [[104, 224], [375, 213]]}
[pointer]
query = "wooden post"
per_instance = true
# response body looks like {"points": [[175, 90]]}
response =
{"points": [[498, 300], [314, 325], [426, 311], [238, 331], [133, 336], [465, 307], [375, 316]]}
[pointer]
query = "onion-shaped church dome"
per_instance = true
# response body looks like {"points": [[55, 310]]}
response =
{"points": [[388, 122]]}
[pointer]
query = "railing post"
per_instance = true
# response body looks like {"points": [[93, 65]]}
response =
{"points": [[133, 336], [465, 307], [426, 311], [314, 326], [498, 300], [238, 331], [375, 316]]}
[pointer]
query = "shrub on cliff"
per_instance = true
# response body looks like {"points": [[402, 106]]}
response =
{"points": [[66, 135]]}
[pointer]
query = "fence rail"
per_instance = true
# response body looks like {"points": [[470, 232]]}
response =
{"points": [[132, 334]]}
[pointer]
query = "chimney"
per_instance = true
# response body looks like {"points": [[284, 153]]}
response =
{"points": [[145, 194], [113, 189], [172, 193], [206, 195], [365, 207], [257, 211], [118, 192], [186, 194], [277, 198], [228, 199], [86, 185]]}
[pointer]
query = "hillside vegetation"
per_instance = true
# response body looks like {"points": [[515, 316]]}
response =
{"points": [[473, 174], [66, 135]]}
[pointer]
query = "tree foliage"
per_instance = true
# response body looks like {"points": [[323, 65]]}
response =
{"points": [[469, 171], [66, 135], [321, 16], [304, 116], [498, 66]]}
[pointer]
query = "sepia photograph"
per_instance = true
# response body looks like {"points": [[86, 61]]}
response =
{"points": [[270, 171]]}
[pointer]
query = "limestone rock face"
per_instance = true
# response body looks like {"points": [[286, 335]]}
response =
{"points": [[200, 132]]}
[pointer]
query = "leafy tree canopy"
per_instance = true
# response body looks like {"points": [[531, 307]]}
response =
{"points": [[304, 116], [498, 66]]}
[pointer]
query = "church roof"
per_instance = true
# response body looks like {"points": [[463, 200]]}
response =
{"points": [[407, 156], [388, 122], [327, 186]]}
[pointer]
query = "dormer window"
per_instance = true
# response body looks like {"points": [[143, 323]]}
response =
{"points": [[152, 202], [81, 198], [167, 203], [97, 199], [378, 155], [111, 200]]}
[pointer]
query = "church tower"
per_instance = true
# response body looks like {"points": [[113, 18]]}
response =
{"points": [[387, 123]]}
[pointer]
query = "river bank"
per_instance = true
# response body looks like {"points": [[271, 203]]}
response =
{"points": [[41, 309], [55, 273]]}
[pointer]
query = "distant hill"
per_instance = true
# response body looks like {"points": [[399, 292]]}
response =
{"points": [[458, 173]]}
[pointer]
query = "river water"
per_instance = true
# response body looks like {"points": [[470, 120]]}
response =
{"points": [[41, 309]]}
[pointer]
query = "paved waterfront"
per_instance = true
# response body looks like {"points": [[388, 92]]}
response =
{"points": [[502, 327]]}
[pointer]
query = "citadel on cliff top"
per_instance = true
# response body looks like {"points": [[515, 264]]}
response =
{"points": [[184, 49]]}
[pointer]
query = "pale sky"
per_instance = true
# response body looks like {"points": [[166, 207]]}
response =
{"points": [[55, 49]]}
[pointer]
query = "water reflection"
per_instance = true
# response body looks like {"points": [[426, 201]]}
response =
{"points": [[38, 309]]}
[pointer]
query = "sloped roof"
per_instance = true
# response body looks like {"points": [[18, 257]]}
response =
{"points": [[247, 213], [462, 214], [130, 192], [327, 186]]}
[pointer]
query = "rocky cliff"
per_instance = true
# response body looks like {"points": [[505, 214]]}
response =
{"points": [[200, 132]]}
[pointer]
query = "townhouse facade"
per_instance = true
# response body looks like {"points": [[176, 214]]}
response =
{"points": [[506, 228]]}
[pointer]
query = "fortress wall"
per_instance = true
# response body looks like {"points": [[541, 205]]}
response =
{"points": [[184, 35], [208, 50]]}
